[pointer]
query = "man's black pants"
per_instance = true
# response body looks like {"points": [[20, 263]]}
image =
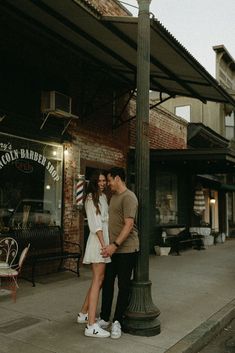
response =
{"points": [[121, 267]]}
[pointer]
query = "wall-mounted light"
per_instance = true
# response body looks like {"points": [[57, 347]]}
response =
{"points": [[48, 187], [212, 201], [212, 197], [66, 152]]}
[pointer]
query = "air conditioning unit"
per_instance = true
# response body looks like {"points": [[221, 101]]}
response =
{"points": [[56, 102]]}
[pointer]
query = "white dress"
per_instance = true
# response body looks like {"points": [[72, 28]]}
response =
{"points": [[96, 222]]}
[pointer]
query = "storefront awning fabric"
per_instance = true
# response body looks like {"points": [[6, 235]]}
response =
{"points": [[199, 204]]}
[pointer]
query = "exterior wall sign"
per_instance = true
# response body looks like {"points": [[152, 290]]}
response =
{"points": [[27, 154]]}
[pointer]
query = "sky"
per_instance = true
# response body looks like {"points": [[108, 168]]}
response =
{"points": [[197, 24]]}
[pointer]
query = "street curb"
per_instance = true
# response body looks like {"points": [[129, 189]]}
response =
{"points": [[203, 334]]}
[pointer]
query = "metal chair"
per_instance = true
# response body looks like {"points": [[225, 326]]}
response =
{"points": [[8, 251], [9, 271]]}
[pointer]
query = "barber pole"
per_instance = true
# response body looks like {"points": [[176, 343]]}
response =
{"points": [[80, 191]]}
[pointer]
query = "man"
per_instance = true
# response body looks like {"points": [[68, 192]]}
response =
{"points": [[123, 248]]}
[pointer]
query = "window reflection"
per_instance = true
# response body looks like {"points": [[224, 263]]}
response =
{"points": [[166, 198], [30, 183]]}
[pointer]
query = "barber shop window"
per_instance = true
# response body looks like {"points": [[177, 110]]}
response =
{"points": [[166, 199], [30, 183]]}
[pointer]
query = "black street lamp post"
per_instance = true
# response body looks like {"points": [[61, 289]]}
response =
{"points": [[141, 316]]}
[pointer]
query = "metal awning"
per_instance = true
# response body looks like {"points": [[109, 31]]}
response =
{"points": [[199, 135], [227, 187], [111, 42], [213, 182], [196, 161]]}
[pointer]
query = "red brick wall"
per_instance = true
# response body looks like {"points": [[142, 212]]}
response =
{"points": [[87, 150], [109, 7], [165, 130], [104, 153]]}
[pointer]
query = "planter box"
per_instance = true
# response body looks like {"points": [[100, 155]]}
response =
{"points": [[208, 240], [221, 238], [162, 251]]}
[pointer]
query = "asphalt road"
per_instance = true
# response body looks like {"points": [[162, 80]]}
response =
{"points": [[224, 342]]}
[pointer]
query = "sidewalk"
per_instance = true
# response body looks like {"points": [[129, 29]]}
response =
{"points": [[194, 292]]}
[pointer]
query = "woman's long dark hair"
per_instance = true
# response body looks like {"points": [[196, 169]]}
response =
{"points": [[93, 188]]}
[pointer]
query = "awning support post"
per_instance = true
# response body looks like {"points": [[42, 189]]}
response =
{"points": [[141, 316]]}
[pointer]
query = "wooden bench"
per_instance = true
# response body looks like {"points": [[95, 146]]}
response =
{"points": [[46, 245], [179, 237]]}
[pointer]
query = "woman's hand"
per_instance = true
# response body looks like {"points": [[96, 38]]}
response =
{"points": [[108, 250]]}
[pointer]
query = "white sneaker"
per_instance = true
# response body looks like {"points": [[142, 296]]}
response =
{"points": [[96, 331], [116, 331], [82, 318], [102, 323]]}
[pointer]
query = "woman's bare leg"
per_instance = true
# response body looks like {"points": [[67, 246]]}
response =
{"points": [[94, 291], [84, 308]]}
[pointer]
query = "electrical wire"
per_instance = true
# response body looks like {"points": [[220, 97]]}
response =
{"points": [[126, 3]]}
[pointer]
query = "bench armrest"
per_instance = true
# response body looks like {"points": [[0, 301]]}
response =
{"points": [[174, 232]]}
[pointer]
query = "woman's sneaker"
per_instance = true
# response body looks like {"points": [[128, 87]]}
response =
{"points": [[96, 331], [82, 318], [116, 331], [102, 323]]}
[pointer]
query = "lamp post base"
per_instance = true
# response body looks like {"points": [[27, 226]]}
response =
{"points": [[141, 315]]}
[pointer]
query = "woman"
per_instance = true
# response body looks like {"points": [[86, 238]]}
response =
{"points": [[96, 207]]}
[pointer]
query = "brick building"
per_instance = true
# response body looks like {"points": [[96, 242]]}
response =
{"points": [[32, 65], [45, 147]]}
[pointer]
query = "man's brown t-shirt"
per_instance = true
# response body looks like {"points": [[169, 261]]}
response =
{"points": [[123, 206]]}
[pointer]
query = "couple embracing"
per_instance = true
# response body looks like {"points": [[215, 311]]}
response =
{"points": [[111, 250]]}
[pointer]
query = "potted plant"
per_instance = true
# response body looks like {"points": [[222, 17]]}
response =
{"points": [[163, 249]]}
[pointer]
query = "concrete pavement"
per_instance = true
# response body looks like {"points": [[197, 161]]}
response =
{"points": [[195, 293]]}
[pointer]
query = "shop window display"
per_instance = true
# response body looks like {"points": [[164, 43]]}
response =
{"points": [[166, 199], [30, 183]]}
